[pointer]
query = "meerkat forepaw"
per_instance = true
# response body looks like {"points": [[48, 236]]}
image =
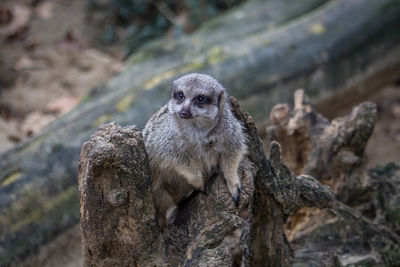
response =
{"points": [[235, 192], [240, 189], [236, 199]]}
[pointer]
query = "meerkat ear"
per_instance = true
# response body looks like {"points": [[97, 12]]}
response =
{"points": [[221, 100]]}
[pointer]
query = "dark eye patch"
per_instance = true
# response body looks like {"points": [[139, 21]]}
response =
{"points": [[202, 99], [179, 96]]}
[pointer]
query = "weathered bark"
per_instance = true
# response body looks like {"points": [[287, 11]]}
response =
{"points": [[346, 236], [381, 202], [203, 220], [117, 214], [332, 152], [365, 233], [307, 44], [264, 243]]}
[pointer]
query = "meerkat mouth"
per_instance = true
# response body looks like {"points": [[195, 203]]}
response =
{"points": [[184, 114]]}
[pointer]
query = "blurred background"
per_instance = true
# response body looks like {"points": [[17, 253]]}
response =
{"points": [[54, 52], [68, 66]]}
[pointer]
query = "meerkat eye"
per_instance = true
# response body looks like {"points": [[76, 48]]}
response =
{"points": [[201, 99], [179, 95]]}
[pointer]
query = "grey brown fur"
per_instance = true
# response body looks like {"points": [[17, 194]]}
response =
{"points": [[189, 139]]}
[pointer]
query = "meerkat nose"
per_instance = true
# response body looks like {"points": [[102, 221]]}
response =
{"points": [[185, 114]]}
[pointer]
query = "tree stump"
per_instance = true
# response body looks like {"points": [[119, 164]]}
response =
{"points": [[365, 230], [333, 152], [118, 218], [313, 34], [118, 222]]}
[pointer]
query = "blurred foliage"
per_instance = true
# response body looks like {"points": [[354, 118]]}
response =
{"points": [[133, 22]]}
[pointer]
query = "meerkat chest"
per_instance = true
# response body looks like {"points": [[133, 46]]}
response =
{"points": [[202, 148], [206, 155]]}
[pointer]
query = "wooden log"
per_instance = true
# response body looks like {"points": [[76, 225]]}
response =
{"points": [[117, 212], [308, 44], [332, 152], [38, 190], [364, 232], [345, 237], [264, 242]]}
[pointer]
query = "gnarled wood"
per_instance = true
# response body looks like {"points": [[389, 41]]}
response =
{"points": [[288, 45], [364, 233], [332, 152], [117, 213]]}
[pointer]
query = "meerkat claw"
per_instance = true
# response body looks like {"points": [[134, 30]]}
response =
{"points": [[236, 199], [239, 188]]}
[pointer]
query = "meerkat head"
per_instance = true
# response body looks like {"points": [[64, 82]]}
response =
{"points": [[196, 97]]}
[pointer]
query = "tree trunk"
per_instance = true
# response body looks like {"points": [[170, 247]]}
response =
{"points": [[264, 241], [307, 44], [117, 214], [333, 152], [365, 233]]}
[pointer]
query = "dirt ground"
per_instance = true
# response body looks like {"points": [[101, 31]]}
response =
{"points": [[48, 62]]}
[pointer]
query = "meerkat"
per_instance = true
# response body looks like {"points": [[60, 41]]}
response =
{"points": [[189, 139]]}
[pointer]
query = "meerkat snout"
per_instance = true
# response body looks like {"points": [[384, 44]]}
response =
{"points": [[185, 114], [178, 139]]}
